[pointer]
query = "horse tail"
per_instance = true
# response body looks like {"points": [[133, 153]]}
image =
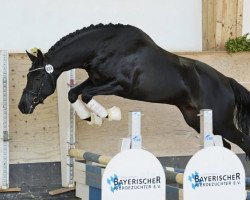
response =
{"points": [[242, 107]]}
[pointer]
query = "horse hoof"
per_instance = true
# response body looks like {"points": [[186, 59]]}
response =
{"points": [[114, 114], [95, 120]]}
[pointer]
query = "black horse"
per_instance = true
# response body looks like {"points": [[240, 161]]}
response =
{"points": [[122, 60]]}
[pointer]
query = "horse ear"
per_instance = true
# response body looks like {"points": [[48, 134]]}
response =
{"points": [[31, 56], [40, 55]]}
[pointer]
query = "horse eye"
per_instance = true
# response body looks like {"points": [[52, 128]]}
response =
{"points": [[38, 78]]}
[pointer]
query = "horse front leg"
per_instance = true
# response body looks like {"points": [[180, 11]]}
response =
{"points": [[80, 108], [76, 91], [110, 88]]}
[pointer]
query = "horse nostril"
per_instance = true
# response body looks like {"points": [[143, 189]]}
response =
{"points": [[36, 100]]}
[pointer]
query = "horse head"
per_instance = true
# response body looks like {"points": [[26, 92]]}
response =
{"points": [[40, 84]]}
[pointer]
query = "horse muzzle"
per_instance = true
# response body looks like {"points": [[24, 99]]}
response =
{"points": [[25, 106]]}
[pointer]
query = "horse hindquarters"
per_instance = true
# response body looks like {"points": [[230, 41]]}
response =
{"points": [[242, 106], [231, 118]]}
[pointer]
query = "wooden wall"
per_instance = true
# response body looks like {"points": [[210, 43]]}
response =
{"points": [[35, 138], [222, 19]]}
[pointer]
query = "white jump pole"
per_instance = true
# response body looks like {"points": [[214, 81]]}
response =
{"points": [[134, 139], [206, 129], [135, 130], [4, 120]]}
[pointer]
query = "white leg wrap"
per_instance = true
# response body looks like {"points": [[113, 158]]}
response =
{"points": [[97, 108], [95, 120], [114, 114], [81, 109]]}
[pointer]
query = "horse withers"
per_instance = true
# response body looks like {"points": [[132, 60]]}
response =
{"points": [[122, 60]]}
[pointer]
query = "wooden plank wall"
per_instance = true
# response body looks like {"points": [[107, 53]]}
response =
{"points": [[35, 138], [222, 19]]}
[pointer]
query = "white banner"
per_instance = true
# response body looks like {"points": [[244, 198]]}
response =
{"points": [[214, 173], [134, 174]]}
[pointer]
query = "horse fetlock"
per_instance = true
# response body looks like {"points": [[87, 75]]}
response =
{"points": [[94, 119], [114, 114], [97, 108]]}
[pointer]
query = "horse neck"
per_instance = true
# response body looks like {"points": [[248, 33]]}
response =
{"points": [[79, 52], [66, 59]]}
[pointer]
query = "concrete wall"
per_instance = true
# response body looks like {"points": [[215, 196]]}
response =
{"points": [[174, 24], [35, 138]]}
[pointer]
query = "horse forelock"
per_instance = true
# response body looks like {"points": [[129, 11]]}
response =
{"points": [[72, 35]]}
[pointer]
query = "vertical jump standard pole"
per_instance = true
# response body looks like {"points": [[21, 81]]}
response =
{"points": [[134, 139], [206, 129], [67, 127], [4, 120]]}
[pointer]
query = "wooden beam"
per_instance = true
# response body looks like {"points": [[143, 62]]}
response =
{"points": [[208, 37], [221, 20], [89, 156], [10, 190], [239, 18], [219, 23], [61, 191]]}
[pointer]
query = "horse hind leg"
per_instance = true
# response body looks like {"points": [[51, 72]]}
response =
{"points": [[190, 115], [226, 144], [235, 136]]}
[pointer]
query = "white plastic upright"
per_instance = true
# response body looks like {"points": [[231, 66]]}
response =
{"points": [[206, 129], [134, 128], [124, 144]]}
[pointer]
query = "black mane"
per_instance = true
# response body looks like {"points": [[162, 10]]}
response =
{"points": [[83, 30]]}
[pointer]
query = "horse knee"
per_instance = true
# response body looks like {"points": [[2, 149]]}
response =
{"points": [[72, 96]]}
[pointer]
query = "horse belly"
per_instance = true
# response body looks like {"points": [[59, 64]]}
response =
{"points": [[160, 86]]}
